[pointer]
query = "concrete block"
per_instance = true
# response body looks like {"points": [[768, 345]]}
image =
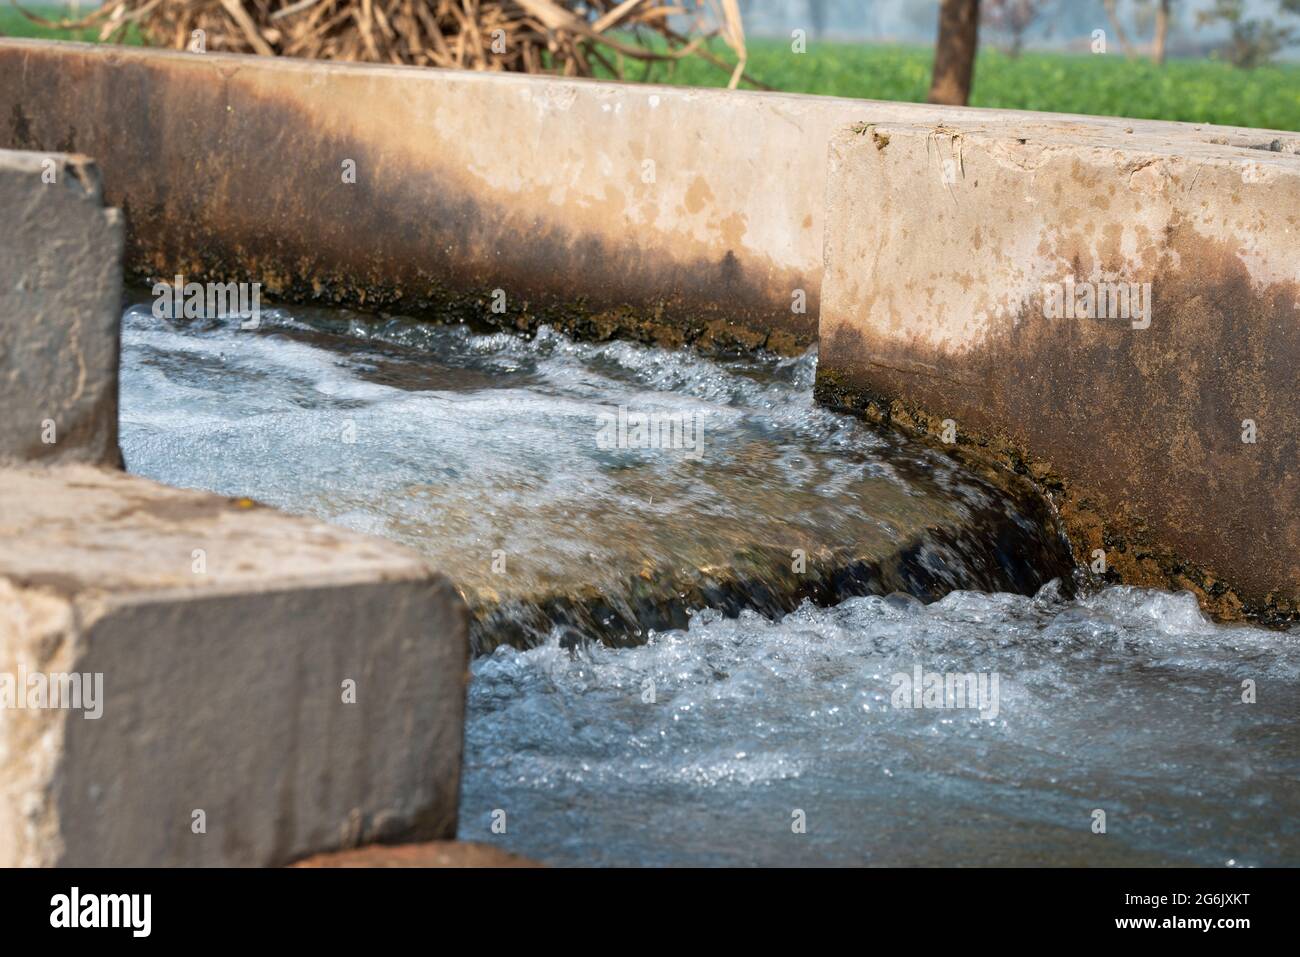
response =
{"points": [[1165, 428], [60, 306], [267, 686]]}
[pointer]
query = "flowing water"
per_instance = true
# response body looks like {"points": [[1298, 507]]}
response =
{"points": [[754, 589], [486, 452]]}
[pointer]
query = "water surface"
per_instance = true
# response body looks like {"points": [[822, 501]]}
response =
{"points": [[1127, 702], [491, 454], [704, 738]]}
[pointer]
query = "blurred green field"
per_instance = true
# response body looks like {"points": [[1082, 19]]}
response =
{"points": [[1198, 91], [14, 24]]}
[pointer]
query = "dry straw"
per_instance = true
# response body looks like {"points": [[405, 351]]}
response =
{"points": [[567, 37]]}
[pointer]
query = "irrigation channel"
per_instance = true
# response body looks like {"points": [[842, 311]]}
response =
{"points": [[789, 638]]}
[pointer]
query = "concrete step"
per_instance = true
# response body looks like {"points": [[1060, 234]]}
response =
{"points": [[60, 292], [253, 687]]}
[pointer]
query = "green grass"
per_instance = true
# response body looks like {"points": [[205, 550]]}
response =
{"points": [[1198, 91], [14, 24]]}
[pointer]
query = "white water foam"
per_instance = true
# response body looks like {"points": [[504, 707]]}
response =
{"points": [[1128, 701]]}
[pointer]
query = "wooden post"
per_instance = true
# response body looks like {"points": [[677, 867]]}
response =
{"points": [[954, 52]]}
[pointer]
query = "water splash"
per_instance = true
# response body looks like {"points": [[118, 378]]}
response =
{"points": [[1127, 701], [483, 451]]}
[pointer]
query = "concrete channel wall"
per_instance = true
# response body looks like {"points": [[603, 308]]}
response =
{"points": [[184, 678], [1114, 312], [664, 213]]}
